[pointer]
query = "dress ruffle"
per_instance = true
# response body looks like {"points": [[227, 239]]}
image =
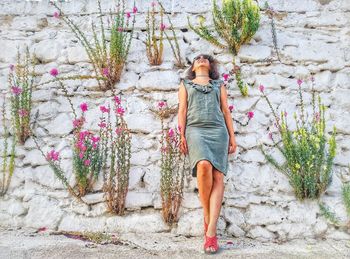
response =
{"points": [[202, 88]]}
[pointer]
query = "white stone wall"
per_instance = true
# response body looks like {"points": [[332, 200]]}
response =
{"points": [[313, 37]]}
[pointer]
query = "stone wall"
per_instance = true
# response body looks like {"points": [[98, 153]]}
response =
{"points": [[313, 37]]}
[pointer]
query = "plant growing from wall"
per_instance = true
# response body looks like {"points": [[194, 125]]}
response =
{"points": [[175, 47], [108, 63], [250, 115], [88, 154], [271, 13], [116, 180], [154, 43], [172, 168], [308, 158], [20, 81], [8, 159], [331, 216], [234, 25]]}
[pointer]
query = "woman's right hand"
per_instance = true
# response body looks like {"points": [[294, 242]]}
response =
{"points": [[183, 145]]}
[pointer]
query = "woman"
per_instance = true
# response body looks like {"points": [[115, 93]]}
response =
{"points": [[207, 136]]}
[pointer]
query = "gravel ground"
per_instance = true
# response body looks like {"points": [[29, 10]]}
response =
{"points": [[27, 243]]}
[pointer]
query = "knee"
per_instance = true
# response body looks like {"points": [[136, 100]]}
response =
{"points": [[218, 177], [204, 164]]}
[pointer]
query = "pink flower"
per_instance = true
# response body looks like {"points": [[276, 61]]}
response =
{"points": [[250, 114], [81, 155], [83, 134], [226, 76], [22, 112], [120, 29], [54, 72], [87, 162], [162, 27], [299, 82], [105, 71], [153, 4], [118, 130], [94, 145], [12, 67], [171, 133], [134, 9], [128, 15], [179, 128], [104, 109], [52, 155], [270, 135], [56, 15], [120, 111], [285, 114], [231, 107], [117, 99], [102, 124], [261, 88], [76, 123], [83, 107], [16, 90], [95, 139], [161, 104], [317, 116]]}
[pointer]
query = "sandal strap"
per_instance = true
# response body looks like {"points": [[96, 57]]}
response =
{"points": [[211, 241]]}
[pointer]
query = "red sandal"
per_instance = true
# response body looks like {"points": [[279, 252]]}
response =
{"points": [[211, 242]]}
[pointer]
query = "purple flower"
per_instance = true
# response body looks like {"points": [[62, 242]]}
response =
{"points": [[105, 71], [261, 88], [83, 107], [299, 82], [16, 90], [226, 76], [102, 124], [56, 15], [104, 109], [134, 9], [161, 104], [162, 27], [54, 72], [250, 114], [118, 130], [87, 162], [117, 100], [12, 67], [270, 135], [52, 155], [231, 107], [120, 111], [171, 133], [22, 112]]}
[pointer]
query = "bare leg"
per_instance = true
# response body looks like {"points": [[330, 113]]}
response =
{"points": [[216, 196], [205, 183]]}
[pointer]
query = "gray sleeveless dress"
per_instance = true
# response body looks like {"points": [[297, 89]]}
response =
{"points": [[206, 132]]}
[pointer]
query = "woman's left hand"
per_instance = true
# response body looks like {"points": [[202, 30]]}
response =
{"points": [[232, 145]]}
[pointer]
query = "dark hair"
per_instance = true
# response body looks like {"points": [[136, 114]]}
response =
{"points": [[213, 71]]}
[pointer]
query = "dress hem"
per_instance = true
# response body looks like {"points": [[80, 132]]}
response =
{"points": [[208, 159]]}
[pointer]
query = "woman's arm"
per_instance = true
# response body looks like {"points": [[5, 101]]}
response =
{"points": [[228, 119], [182, 114]]}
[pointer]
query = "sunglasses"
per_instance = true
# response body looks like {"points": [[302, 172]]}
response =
{"points": [[209, 58]]}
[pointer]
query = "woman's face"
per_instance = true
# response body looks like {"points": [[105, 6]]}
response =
{"points": [[201, 61]]}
